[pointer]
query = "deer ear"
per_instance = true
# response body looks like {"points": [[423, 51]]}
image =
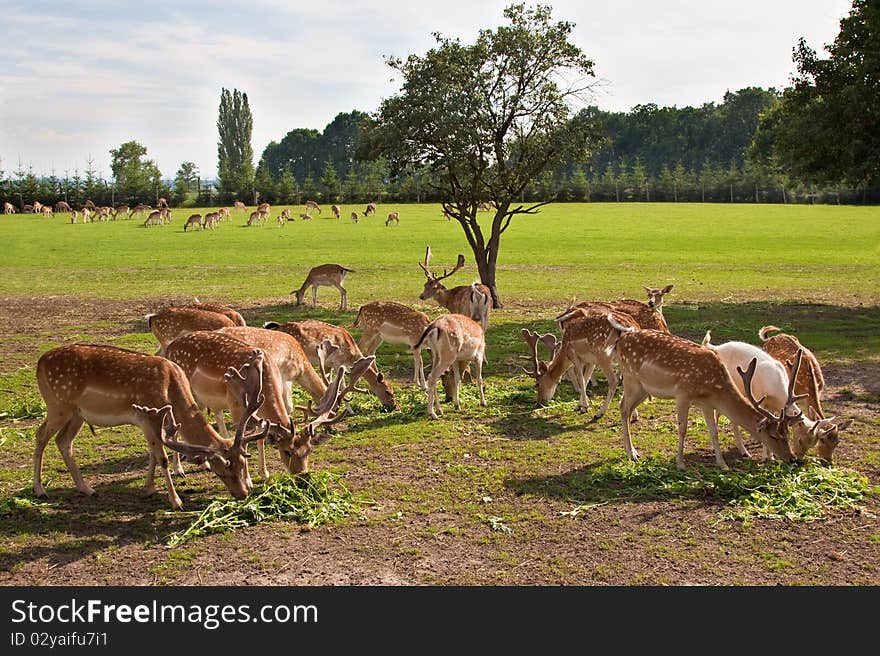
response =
{"points": [[667, 289], [380, 377]]}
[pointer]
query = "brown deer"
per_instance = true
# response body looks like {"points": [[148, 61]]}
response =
{"points": [[109, 386], [173, 322], [585, 344], [138, 210], [46, 210], [63, 206], [371, 209], [155, 218], [666, 366], [647, 315], [453, 340], [240, 206], [257, 217], [337, 212], [809, 380], [223, 213], [327, 275], [354, 217], [387, 321], [285, 215], [9, 208], [233, 315], [305, 217], [472, 300], [121, 209], [311, 334], [193, 220], [211, 220], [312, 205], [394, 217]]}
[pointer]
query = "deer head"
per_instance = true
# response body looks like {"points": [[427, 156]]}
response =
{"points": [[432, 282]]}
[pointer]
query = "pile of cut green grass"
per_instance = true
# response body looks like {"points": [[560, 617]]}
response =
{"points": [[316, 499], [752, 490]]}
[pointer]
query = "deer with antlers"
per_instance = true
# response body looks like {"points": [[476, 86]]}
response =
{"points": [[395, 323], [472, 300], [647, 315], [775, 381], [312, 334], [585, 344], [109, 386], [327, 275], [666, 366], [810, 380], [173, 322], [206, 356], [454, 341]]}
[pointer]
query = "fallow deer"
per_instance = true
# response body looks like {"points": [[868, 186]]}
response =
{"points": [[257, 217], [337, 212], [371, 209], [285, 215], [138, 210], [472, 300], [121, 209], [452, 339], [62, 206], [305, 217], [393, 217], [666, 366], [387, 321], [810, 380], [354, 217], [312, 205], [9, 208], [86, 215], [155, 218], [775, 382], [240, 206], [327, 275], [585, 344], [311, 334], [234, 315], [109, 386], [74, 216], [46, 210], [193, 220], [223, 213], [211, 220], [206, 356], [173, 322], [647, 315]]}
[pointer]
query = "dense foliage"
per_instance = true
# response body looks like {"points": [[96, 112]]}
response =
{"points": [[235, 154]]}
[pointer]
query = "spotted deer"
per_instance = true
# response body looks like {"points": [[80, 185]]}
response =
{"points": [[810, 380], [9, 208], [240, 206], [354, 217], [312, 205], [311, 334], [193, 220], [387, 321], [337, 212], [109, 386], [585, 344], [206, 356], [666, 366], [327, 275], [453, 339], [371, 209], [173, 322], [233, 315], [647, 315], [393, 217], [472, 300], [211, 220]]}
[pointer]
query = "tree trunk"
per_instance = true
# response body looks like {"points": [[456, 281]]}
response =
{"points": [[486, 267]]}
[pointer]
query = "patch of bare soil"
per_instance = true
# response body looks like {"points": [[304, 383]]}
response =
{"points": [[653, 542]]}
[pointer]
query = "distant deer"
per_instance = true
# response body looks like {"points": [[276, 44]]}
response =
{"points": [[121, 209], [336, 211], [472, 300], [211, 220], [46, 210], [312, 205], [354, 217], [9, 208], [240, 206], [328, 275], [393, 217], [193, 220], [306, 216], [371, 209], [62, 206]]}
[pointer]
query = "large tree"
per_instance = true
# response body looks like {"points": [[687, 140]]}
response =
{"points": [[488, 118], [137, 178], [826, 128], [235, 152]]}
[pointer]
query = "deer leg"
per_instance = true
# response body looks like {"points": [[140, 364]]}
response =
{"points": [[314, 296], [64, 442], [456, 384], [344, 303], [709, 414], [479, 367], [158, 456], [50, 426], [682, 406], [611, 376], [221, 422], [737, 436], [633, 394], [150, 482], [261, 450]]}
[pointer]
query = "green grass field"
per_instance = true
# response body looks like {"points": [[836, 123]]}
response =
{"points": [[521, 495]]}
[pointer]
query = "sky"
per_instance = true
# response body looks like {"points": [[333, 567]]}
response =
{"points": [[78, 78]]}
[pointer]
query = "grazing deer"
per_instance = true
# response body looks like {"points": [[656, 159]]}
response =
{"points": [[337, 212], [354, 217], [46, 210], [121, 209], [240, 206], [452, 339], [73, 216], [155, 218], [109, 386], [223, 213], [312, 205], [472, 300], [139, 210], [285, 215], [327, 275], [666, 366], [810, 380], [193, 220], [774, 382], [9, 208], [306, 216], [86, 215], [62, 206], [371, 209], [264, 207], [89, 204], [312, 334], [162, 203], [173, 322], [647, 315], [211, 220], [37, 207], [585, 344], [394, 217], [255, 218], [205, 357], [233, 315], [387, 321]]}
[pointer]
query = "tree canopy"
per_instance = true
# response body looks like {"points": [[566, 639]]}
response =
{"points": [[137, 178], [488, 118], [234, 149]]}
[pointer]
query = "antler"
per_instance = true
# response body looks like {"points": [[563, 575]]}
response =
{"points": [[747, 384], [549, 340], [792, 398], [532, 340], [325, 350], [427, 262], [323, 415], [247, 384], [168, 429], [458, 265]]}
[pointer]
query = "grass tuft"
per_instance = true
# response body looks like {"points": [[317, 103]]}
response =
{"points": [[316, 499]]}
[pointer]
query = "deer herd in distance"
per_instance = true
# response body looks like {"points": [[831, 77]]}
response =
{"points": [[210, 362], [161, 214]]}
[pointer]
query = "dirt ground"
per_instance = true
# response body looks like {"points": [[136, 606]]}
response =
{"points": [[652, 542]]}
